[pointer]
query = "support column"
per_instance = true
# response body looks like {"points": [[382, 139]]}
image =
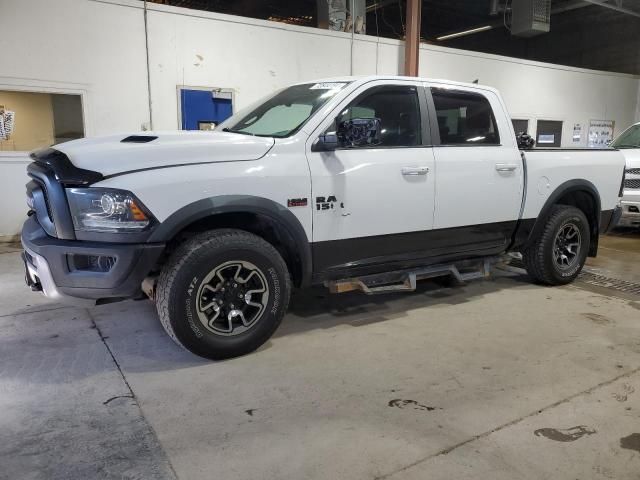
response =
{"points": [[412, 40]]}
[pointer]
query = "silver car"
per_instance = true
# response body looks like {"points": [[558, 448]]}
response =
{"points": [[629, 143]]}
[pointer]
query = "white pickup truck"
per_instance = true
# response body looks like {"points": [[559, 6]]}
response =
{"points": [[348, 181], [629, 143]]}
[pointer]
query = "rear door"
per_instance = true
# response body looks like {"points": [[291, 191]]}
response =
{"points": [[479, 175], [374, 205]]}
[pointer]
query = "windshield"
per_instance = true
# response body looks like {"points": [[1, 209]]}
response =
{"points": [[283, 113], [630, 138]]}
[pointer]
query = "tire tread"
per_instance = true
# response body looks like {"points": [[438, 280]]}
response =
{"points": [[212, 239], [534, 256]]}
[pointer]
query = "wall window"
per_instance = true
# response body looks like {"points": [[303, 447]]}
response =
{"points": [[31, 120], [549, 133], [398, 109], [464, 118], [520, 126]]}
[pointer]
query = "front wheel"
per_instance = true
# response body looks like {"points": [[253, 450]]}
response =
{"points": [[557, 256], [223, 293]]}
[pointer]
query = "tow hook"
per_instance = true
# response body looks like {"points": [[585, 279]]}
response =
{"points": [[149, 286]]}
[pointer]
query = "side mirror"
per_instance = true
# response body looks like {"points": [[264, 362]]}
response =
{"points": [[525, 141], [326, 143], [359, 132]]}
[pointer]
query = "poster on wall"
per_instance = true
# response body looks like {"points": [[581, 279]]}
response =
{"points": [[7, 121], [600, 133], [577, 133]]}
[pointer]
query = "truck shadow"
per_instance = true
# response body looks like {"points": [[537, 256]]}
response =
{"points": [[316, 308], [141, 345]]}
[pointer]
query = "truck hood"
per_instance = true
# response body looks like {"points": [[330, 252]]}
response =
{"points": [[632, 157], [115, 154]]}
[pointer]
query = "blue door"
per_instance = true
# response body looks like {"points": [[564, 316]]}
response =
{"points": [[201, 108]]}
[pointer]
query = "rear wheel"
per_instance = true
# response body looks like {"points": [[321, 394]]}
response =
{"points": [[558, 254], [223, 293]]}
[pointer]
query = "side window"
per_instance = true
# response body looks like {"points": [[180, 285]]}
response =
{"points": [[398, 109], [464, 118]]}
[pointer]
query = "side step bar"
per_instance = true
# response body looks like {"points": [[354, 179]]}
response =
{"points": [[405, 280]]}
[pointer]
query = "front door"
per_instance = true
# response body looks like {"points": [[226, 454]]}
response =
{"points": [[374, 204]]}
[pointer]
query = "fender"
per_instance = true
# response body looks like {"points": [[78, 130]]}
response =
{"points": [[563, 189], [211, 206]]}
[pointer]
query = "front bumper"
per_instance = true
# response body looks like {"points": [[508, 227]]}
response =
{"points": [[630, 209], [51, 265]]}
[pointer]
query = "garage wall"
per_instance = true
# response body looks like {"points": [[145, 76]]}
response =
{"points": [[96, 48], [254, 57]]}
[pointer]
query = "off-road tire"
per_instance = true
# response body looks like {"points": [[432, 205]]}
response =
{"points": [[178, 284], [539, 257]]}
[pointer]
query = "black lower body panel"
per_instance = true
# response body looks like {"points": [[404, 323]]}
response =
{"points": [[366, 255], [609, 219]]}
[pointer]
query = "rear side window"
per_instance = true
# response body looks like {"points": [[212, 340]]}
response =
{"points": [[464, 118]]}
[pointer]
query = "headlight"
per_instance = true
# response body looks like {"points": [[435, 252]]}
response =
{"points": [[106, 210]]}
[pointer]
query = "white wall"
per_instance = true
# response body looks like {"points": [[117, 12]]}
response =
{"points": [[83, 47], [97, 49]]}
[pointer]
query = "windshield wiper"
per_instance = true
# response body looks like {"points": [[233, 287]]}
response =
{"points": [[230, 130]]}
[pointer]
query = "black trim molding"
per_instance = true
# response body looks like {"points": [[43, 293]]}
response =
{"points": [[290, 227], [364, 255]]}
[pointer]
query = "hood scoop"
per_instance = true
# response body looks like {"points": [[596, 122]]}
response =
{"points": [[138, 139]]}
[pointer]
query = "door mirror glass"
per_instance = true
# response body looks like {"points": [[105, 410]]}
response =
{"points": [[359, 132]]}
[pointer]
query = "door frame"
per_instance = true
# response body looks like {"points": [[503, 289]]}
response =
{"points": [[179, 88]]}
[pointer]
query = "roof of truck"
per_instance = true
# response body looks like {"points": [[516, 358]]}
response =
{"points": [[367, 78]]}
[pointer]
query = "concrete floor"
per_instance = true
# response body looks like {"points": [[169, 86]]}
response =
{"points": [[499, 379]]}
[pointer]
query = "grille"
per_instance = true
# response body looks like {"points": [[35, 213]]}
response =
{"points": [[542, 11], [632, 183], [633, 171], [607, 282], [596, 279], [46, 200]]}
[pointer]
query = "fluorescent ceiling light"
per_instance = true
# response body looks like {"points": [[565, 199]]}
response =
{"points": [[466, 32]]}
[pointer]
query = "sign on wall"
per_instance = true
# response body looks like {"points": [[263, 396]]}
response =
{"points": [[600, 133], [577, 133]]}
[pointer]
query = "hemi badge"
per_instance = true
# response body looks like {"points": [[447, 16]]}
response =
{"points": [[297, 202]]}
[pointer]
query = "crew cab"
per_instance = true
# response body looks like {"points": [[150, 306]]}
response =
{"points": [[321, 181], [629, 144]]}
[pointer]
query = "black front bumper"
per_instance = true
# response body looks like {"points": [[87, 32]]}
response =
{"points": [[51, 265]]}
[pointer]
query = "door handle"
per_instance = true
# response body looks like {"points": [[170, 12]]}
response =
{"points": [[411, 171], [506, 167]]}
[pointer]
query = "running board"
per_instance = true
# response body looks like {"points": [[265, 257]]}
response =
{"points": [[405, 280]]}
